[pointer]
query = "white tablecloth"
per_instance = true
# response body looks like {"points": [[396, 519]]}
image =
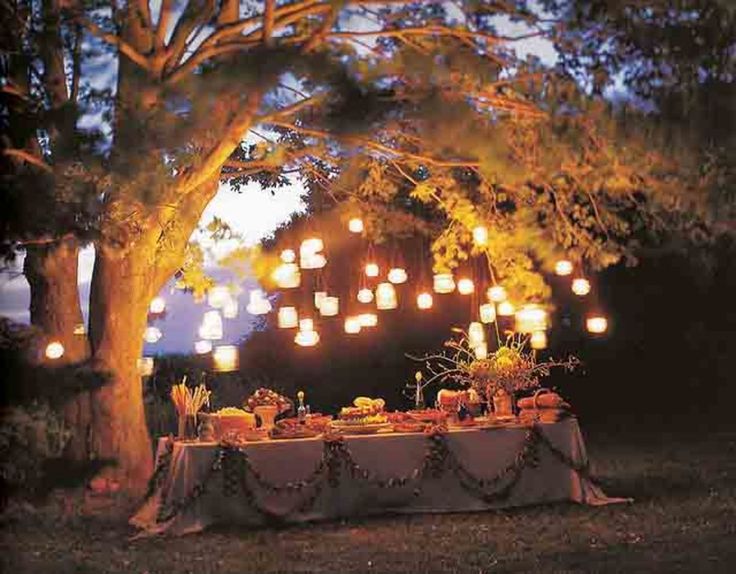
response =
{"points": [[200, 484]]}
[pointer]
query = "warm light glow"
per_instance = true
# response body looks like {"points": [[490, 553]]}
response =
{"points": [[580, 286], [218, 296], [230, 308], [563, 267], [506, 309], [480, 235], [288, 317], [531, 318], [386, 296], [496, 294], [145, 366], [306, 324], [311, 246], [481, 351], [465, 286], [538, 340], [54, 350], [202, 347], [596, 324], [443, 283], [352, 325], [152, 334], [319, 296], [355, 225], [306, 338], [487, 313], [368, 319], [158, 305], [372, 270], [313, 261], [258, 304], [225, 358], [287, 276], [476, 334], [330, 306], [211, 328], [288, 256], [424, 301], [80, 329], [365, 295], [397, 275]]}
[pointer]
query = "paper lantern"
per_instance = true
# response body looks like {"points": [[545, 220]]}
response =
{"points": [[157, 306], [330, 306], [288, 256], [202, 347], [258, 304], [372, 270], [287, 276], [538, 340], [218, 296], [563, 267], [313, 261], [355, 225], [145, 366], [531, 318], [365, 295], [424, 301], [505, 309], [211, 328], [288, 317], [476, 334], [465, 286], [225, 358], [54, 350], [319, 297], [487, 313], [496, 294], [306, 338], [443, 283], [580, 286], [352, 325], [480, 235], [306, 324], [230, 308], [596, 324], [368, 319], [386, 296], [397, 275], [311, 246], [481, 351], [152, 334]]}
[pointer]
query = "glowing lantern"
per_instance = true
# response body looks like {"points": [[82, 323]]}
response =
{"points": [[580, 286], [372, 270], [505, 309], [365, 295], [225, 358], [424, 301], [531, 318], [480, 235], [306, 338], [443, 283], [487, 313], [230, 308], [386, 296], [288, 317], [313, 261], [54, 350], [258, 304], [368, 319], [145, 366], [211, 328], [563, 267], [152, 334], [481, 351], [352, 325], [355, 225], [397, 275], [330, 306], [596, 324], [496, 294], [287, 275], [476, 334], [202, 347], [158, 305], [538, 340], [288, 256], [311, 246], [306, 324], [465, 286], [319, 296], [218, 296]]}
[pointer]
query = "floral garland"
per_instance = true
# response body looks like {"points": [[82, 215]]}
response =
{"points": [[163, 464]]}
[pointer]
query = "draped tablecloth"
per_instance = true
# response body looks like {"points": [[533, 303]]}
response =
{"points": [[196, 485]]}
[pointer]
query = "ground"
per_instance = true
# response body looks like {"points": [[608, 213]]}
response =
{"points": [[683, 520]]}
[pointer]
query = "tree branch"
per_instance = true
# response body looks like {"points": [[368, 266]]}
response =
{"points": [[28, 158]]}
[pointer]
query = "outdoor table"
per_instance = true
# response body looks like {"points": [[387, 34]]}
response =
{"points": [[198, 484]]}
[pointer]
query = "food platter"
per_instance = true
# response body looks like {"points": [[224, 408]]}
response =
{"points": [[360, 428]]}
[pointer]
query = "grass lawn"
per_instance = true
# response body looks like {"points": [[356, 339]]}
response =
{"points": [[683, 520]]}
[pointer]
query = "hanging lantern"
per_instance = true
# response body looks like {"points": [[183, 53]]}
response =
{"points": [[496, 294], [480, 235], [202, 347], [313, 261], [397, 275], [355, 225], [352, 325], [443, 283], [563, 267], [211, 328], [288, 256], [287, 276], [152, 334], [424, 301], [311, 246], [580, 286], [465, 286], [287, 317], [538, 340], [218, 296], [306, 324], [596, 324], [372, 270], [319, 296], [386, 296], [368, 319], [306, 338], [531, 318], [481, 351], [230, 308], [258, 304], [506, 309], [225, 358], [157, 306], [54, 350], [330, 306], [476, 334], [145, 366], [487, 313], [365, 295]]}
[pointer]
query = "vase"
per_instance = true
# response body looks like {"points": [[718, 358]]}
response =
{"points": [[187, 427], [267, 414], [503, 403]]}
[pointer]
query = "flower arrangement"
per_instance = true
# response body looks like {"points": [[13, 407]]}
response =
{"points": [[267, 397]]}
